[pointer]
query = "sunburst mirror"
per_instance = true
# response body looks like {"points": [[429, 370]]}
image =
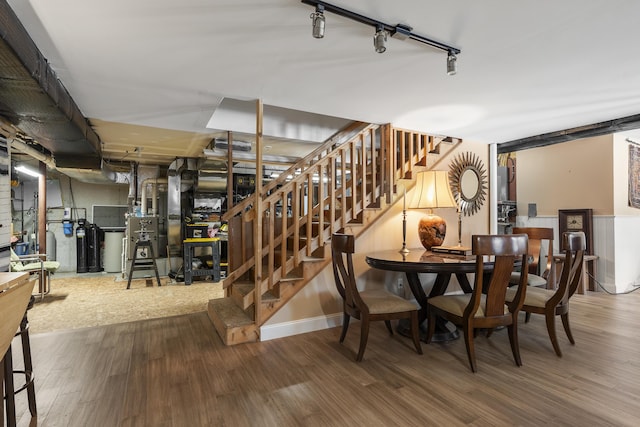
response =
{"points": [[468, 180]]}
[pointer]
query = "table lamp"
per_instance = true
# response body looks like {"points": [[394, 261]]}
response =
{"points": [[432, 191]]}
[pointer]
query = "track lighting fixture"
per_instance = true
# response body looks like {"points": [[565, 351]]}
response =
{"points": [[380, 39], [451, 63], [317, 22], [399, 31]]}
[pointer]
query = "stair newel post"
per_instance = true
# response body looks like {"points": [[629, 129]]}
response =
{"points": [[353, 167], [363, 170], [258, 218], [387, 162], [271, 241], [320, 204], [400, 142], [285, 231], [230, 236], [295, 213], [374, 166], [343, 188], [309, 206], [331, 174]]}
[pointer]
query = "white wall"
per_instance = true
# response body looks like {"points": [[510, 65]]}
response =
{"points": [[603, 242]]}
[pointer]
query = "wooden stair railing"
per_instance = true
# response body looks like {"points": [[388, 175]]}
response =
{"points": [[347, 182]]}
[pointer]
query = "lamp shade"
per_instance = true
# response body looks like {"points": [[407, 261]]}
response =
{"points": [[432, 190]]}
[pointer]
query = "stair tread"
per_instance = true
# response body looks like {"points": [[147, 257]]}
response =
{"points": [[245, 288], [229, 313]]}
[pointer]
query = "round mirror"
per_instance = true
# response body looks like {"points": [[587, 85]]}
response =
{"points": [[469, 184], [468, 180]]}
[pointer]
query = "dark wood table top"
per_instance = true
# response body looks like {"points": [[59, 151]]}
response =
{"points": [[421, 261]]}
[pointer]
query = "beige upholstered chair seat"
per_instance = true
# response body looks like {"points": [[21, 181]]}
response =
{"points": [[539, 274], [380, 301], [485, 307], [535, 297], [367, 305], [532, 279], [555, 302], [456, 304]]}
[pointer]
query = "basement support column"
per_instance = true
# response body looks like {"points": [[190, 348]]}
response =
{"points": [[258, 218], [42, 209], [41, 239], [230, 198]]}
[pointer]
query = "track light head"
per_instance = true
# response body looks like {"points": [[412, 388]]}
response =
{"points": [[383, 30], [380, 39], [317, 22], [451, 63]]}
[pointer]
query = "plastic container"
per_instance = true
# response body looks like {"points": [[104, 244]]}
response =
{"points": [[22, 248]]}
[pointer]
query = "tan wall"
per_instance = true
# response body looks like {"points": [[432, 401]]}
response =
{"points": [[319, 297], [572, 175]]}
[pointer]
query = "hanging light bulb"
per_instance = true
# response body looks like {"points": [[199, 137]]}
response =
{"points": [[317, 22], [380, 39], [451, 63]]}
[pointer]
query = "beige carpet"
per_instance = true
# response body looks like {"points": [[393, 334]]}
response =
{"points": [[79, 301]]}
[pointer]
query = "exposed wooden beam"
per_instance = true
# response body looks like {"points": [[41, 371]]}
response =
{"points": [[596, 129]]}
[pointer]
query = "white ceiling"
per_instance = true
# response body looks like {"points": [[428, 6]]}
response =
{"points": [[526, 67]]}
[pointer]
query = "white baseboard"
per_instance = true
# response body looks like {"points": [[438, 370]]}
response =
{"points": [[286, 329]]}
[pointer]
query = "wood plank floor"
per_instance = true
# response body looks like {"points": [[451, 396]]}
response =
{"points": [[176, 372]]}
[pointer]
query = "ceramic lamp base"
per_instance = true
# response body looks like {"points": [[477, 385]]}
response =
{"points": [[432, 230]]}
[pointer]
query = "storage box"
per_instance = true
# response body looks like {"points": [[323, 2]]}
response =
{"points": [[197, 231]]}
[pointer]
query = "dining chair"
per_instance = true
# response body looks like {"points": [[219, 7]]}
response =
{"points": [[555, 302], [367, 305], [35, 264], [485, 307], [539, 274]]}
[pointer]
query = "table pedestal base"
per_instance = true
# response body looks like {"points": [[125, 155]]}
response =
{"points": [[445, 331]]}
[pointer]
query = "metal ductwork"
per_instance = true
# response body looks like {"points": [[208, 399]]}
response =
{"points": [[211, 182], [237, 145], [106, 174], [175, 187], [30, 151], [35, 101]]}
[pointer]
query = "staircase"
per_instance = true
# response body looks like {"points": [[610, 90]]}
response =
{"points": [[280, 237]]}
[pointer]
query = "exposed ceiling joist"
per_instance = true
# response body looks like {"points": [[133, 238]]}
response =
{"points": [[34, 100], [596, 129]]}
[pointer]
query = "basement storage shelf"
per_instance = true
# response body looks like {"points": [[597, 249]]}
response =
{"points": [[189, 245]]}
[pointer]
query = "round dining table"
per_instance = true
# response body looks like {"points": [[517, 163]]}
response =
{"points": [[420, 261]]}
